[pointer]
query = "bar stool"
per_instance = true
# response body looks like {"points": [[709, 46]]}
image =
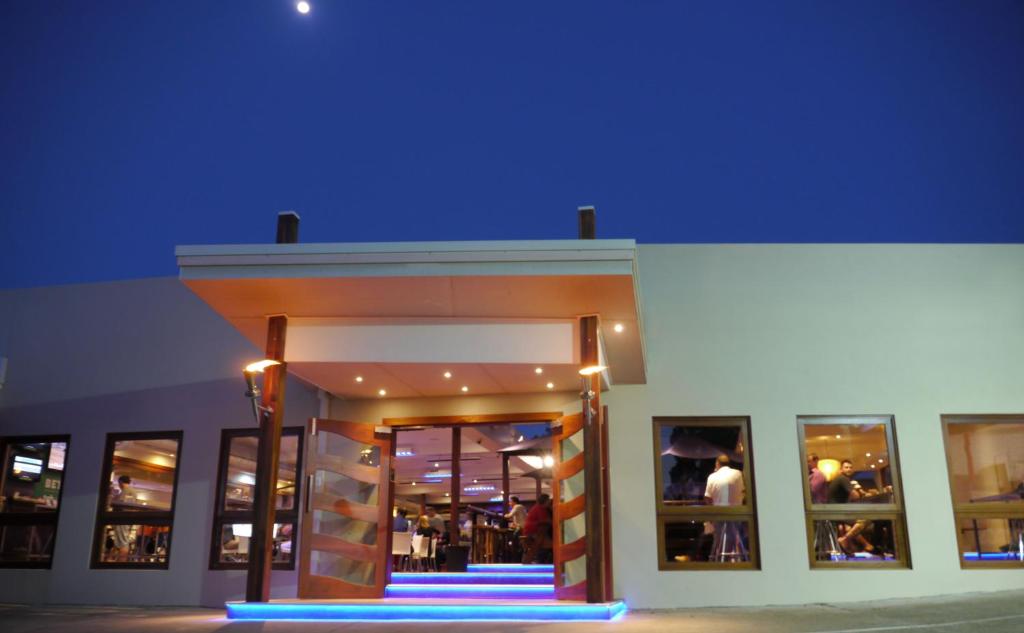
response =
{"points": [[728, 543], [826, 541]]}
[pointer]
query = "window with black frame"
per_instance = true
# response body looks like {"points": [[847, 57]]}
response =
{"points": [[985, 455], [236, 479], [704, 478], [30, 492], [852, 492], [136, 502]]}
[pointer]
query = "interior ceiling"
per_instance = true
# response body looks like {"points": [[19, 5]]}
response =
{"points": [[864, 445], [245, 303], [478, 461]]}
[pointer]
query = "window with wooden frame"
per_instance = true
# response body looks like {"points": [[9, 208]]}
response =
{"points": [[703, 470], [985, 455], [233, 514], [853, 496], [30, 492], [135, 510]]}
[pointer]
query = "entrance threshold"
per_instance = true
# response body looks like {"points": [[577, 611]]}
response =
{"points": [[436, 609]]}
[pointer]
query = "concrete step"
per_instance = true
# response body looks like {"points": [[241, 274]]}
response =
{"points": [[436, 609], [486, 592], [472, 578]]}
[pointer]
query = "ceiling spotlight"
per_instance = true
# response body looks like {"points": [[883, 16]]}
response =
{"points": [[447, 374], [867, 454], [549, 461], [302, 7], [447, 494], [437, 465], [538, 370], [839, 437], [619, 328], [550, 385], [359, 379], [465, 388], [881, 461], [382, 392], [474, 481], [414, 483]]}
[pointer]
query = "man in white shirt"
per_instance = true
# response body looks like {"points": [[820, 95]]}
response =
{"points": [[517, 515], [725, 485], [725, 488]]}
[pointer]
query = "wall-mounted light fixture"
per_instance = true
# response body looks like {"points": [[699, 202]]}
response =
{"points": [[252, 390]]}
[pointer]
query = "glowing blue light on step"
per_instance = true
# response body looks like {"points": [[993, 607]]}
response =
{"points": [[471, 578], [386, 611], [511, 568], [522, 592]]}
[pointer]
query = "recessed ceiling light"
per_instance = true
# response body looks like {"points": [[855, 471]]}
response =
{"points": [[872, 465], [437, 465], [447, 374], [867, 454], [881, 461], [414, 483], [447, 494], [359, 379], [538, 370], [465, 388], [619, 328], [382, 392], [839, 437], [474, 481], [551, 385]]}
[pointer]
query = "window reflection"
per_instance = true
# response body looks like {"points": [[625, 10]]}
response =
{"points": [[234, 542], [142, 475], [986, 462], [32, 477], [702, 465], [241, 477], [133, 543], [848, 463]]}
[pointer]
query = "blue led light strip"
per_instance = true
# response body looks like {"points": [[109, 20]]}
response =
{"points": [[383, 611], [471, 578], [523, 592], [511, 568]]}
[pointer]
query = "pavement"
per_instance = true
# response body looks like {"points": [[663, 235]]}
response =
{"points": [[1001, 612]]}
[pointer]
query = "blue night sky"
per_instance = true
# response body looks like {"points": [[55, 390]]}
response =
{"points": [[129, 127]]}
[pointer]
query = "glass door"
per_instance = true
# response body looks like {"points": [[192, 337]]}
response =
{"points": [[346, 523], [569, 502]]}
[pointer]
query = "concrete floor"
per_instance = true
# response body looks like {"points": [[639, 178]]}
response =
{"points": [[989, 613]]}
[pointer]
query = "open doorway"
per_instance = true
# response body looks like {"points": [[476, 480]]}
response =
{"points": [[462, 495]]}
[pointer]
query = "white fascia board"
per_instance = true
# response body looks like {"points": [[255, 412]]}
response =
{"points": [[323, 341], [403, 259]]}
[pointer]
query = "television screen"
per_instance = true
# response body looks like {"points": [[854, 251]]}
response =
{"points": [[26, 468], [57, 451]]}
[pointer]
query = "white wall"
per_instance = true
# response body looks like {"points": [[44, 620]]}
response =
{"points": [[132, 326], [776, 331]]}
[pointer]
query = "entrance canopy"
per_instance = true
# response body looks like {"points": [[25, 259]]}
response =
{"points": [[400, 315]]}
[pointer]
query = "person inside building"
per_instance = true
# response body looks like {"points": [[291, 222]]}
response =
{"points": [[537, 532], [516, 516], [401, 522], [725, 488], [817, 480], [120, 494], [844, 489]]}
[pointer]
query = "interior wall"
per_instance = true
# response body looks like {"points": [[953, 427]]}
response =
{"points": [[777, 331]]}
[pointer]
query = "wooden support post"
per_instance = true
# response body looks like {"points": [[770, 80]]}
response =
{"points": [[539, 488], [268, 452], [453, 533], [268, 443], [506, 484], [606, 515], [594, 508]]}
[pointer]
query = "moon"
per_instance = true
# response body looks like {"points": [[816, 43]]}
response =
{"points": [[302, 7]]}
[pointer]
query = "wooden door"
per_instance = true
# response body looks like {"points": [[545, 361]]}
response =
{"points": [[346, 521], [568, 500]]}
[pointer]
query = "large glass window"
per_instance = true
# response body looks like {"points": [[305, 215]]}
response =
{"points": [[30, 492], [236, 479], [136, 503], [704, 475], [985, 454], [852, 494]]}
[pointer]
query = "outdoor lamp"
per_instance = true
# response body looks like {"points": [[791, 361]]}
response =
{"points": [[252, 390], [590, 361]]}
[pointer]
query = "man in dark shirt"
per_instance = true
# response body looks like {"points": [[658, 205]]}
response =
{"points": [[537, 532], [841, 489]]}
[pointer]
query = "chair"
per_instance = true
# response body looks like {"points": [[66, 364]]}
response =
{"points": [[401, 546], [420, 550], [728, 543]]}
